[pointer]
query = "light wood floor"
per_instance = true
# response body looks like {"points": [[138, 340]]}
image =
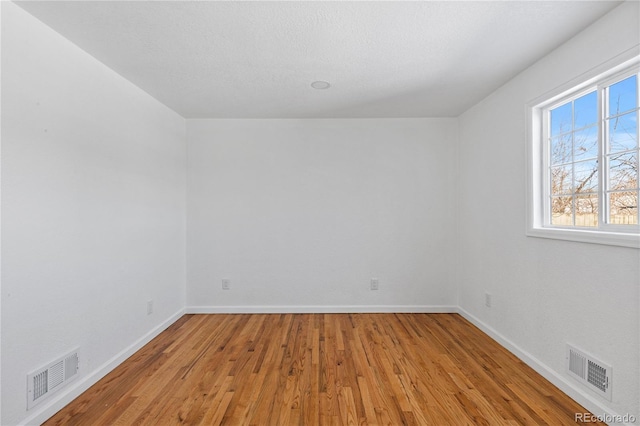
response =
{"points": [[314, 369]]}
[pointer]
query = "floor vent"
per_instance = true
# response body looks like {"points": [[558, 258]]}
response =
{"points": [[594, 374], [44, 381]]}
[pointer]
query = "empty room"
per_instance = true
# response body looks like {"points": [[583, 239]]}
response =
{"points": [[278, 213]]}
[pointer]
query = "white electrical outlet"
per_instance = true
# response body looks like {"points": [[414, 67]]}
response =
{"points": [[375, 283], [149, 307], [487, 300], [226, 284]]}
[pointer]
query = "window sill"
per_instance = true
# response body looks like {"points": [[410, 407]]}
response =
{"points": [[586, 236]]}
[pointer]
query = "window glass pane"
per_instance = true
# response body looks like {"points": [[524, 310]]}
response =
{"points": [[623, 208], [587, 210], [585, 143], [561, 180], [561, 149], [623, 132], [585, 176], [561, 119], [585, 110], [561, 211], [623, 96], [623, 171]]}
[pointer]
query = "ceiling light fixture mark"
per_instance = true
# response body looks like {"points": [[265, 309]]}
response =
{"points": [[320, 85]]}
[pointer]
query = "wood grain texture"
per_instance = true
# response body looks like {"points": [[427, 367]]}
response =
{"points": [[321, 369]]}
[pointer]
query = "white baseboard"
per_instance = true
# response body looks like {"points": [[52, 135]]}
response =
{"points": [[57, 402], [309, 309], [579, 395]]}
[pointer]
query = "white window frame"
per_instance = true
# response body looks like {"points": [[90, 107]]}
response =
{"points": [[537, 151]]}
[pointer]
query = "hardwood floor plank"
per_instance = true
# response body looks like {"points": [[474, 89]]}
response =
{"points": [[321, 369]]}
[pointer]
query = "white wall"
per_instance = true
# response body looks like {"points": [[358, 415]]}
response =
{"points": [[545, 292], [93, 219], [301, 214]]}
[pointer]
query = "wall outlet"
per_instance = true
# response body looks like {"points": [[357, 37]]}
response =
{"points": [[149, 307], [375, 283], [226, 284], [487, 300]]}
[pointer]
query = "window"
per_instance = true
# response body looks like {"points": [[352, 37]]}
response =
{"points": [[584, 170]]}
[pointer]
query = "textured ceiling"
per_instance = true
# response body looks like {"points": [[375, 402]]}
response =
{"points": [[258, 59]]}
